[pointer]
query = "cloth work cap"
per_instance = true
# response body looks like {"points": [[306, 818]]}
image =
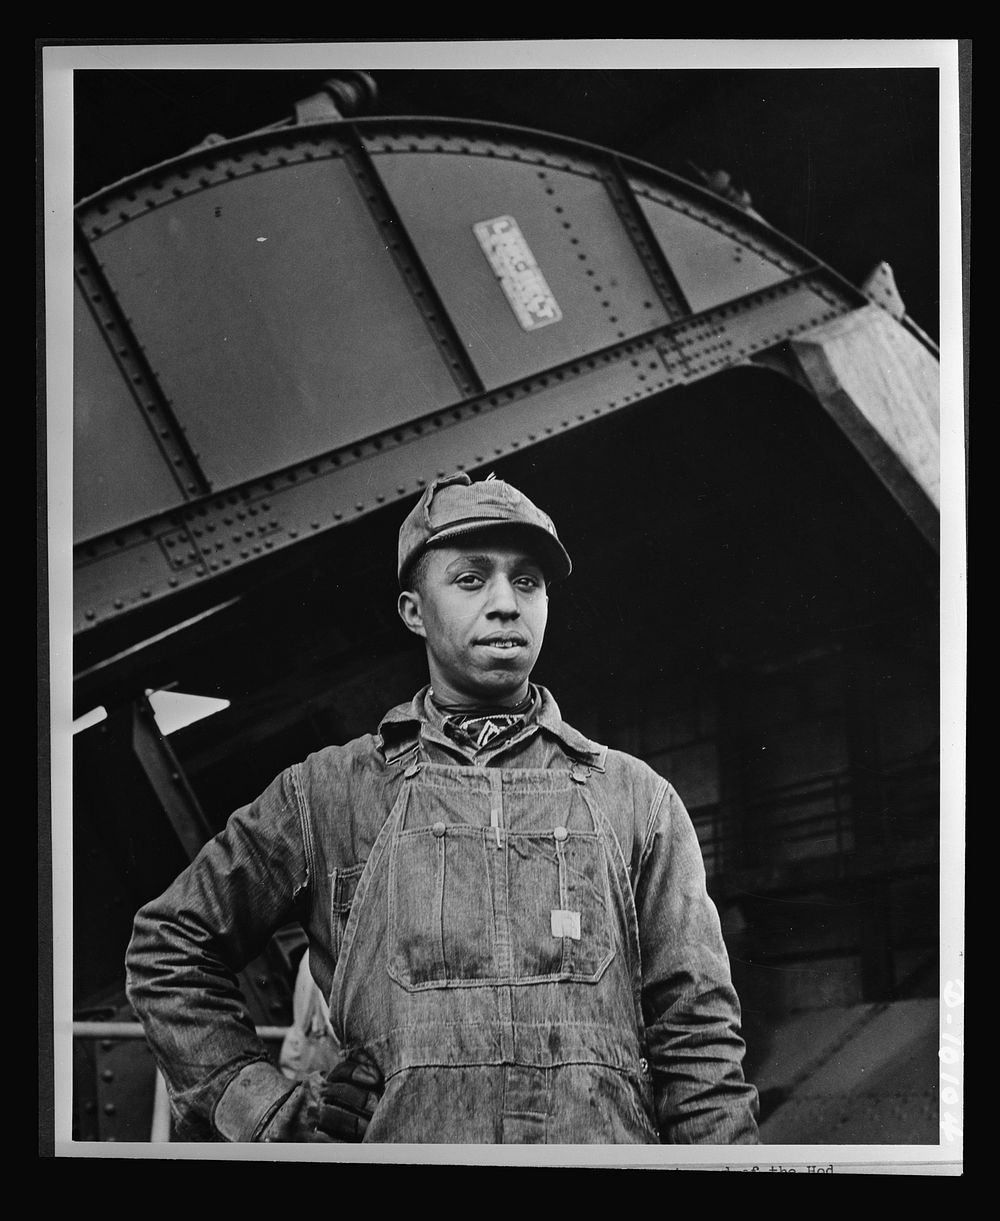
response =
{"points": [[454, 506]]}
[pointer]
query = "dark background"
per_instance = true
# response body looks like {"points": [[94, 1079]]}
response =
{"points": [[843, 161]]}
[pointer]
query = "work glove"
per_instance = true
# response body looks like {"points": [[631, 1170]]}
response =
{"points": [[323, 1107], [348, 1096], [327, 1108]]}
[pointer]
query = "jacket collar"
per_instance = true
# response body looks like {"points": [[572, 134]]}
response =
{"points": [[401, 727]]}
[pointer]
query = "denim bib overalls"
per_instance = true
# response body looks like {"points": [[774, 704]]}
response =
{"points": [[476, 927], [488, 961]]}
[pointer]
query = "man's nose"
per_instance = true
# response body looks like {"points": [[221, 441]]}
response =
{"points": [[503, 599]]}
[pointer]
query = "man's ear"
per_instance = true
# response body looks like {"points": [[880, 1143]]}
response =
{"points": [[411, 612]]}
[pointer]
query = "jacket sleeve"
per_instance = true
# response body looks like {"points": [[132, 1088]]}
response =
{"points": [[690, 1007], [186, 949]]}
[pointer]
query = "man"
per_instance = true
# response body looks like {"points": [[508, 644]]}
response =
{"points": [[508, 920]]}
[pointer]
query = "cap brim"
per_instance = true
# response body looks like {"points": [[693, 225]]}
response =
{"points": [[553, 555]]}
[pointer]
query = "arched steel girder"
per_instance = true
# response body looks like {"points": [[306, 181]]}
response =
{"points": [[278, 334]]}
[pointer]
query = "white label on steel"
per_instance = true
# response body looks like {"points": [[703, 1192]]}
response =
{"points": [[518, 273]]}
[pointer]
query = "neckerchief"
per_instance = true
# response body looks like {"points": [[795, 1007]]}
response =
{"points": [[481, 727]]}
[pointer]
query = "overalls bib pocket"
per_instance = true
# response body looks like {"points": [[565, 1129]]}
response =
{"points": [[441, 923], [523, 900], [560, 910]]}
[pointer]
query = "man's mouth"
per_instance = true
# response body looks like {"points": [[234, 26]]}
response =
{"points": [[503, 640]]}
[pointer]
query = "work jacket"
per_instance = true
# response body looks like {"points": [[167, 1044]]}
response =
{"points": [[519, 937]]}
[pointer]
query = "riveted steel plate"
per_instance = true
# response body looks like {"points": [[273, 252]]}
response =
{"points": [[119, 472], [712, 261], [321, 329], [576, 237], [119, 578], [223, 532], [266, 515], [126, 1081], [273, 318]]}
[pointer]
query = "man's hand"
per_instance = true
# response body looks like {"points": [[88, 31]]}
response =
{"points": [[327, 1108], [348, 1097]]}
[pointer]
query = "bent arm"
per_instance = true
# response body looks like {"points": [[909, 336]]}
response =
{"points": [[690, 1007], [182, 962]]}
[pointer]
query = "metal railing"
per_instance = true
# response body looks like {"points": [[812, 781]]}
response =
{"points": [[786, 817]]}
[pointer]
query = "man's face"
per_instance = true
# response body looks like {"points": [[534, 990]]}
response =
{"points": [[481, 606]]}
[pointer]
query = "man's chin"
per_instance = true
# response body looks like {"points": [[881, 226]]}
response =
{"points": [[509, 680], [501, 682]]}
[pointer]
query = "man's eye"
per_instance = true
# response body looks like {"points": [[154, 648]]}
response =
{"points": [[470, 580], [528, 583]]}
